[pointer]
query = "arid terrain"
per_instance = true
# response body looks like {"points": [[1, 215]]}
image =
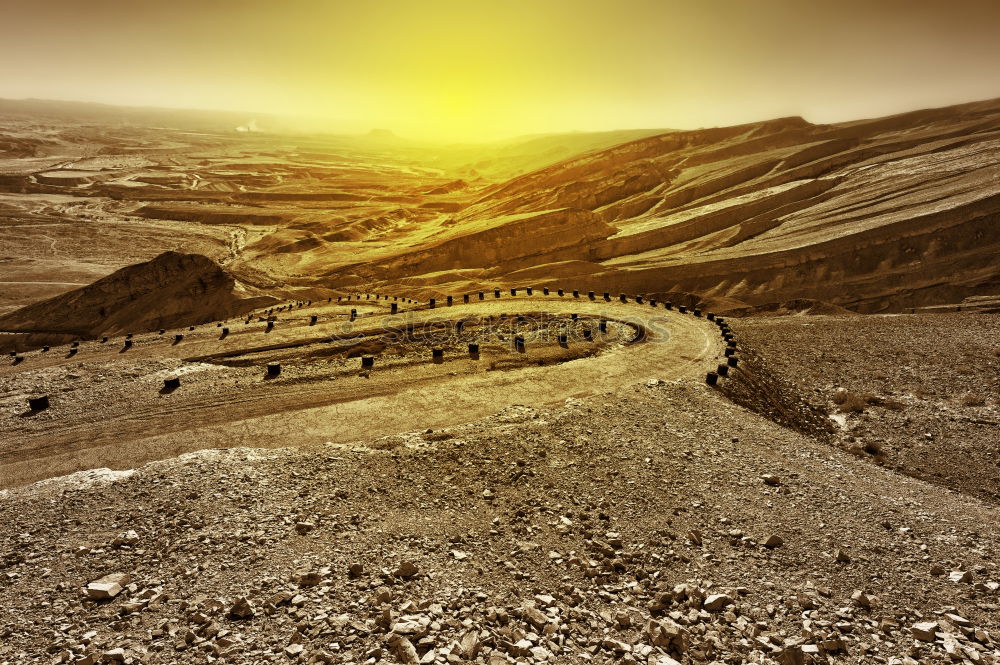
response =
{"points": [[726, 395]]}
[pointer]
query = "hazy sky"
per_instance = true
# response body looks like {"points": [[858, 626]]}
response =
{"points": [[483, 70]]}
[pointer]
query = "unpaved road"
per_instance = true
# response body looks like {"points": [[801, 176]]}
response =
{"points": [[108, 408]]}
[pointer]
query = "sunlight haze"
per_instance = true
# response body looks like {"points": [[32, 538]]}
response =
{"points": [[479, 71]]}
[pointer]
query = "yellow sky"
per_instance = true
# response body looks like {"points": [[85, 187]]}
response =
{"points": [[485, 70]]}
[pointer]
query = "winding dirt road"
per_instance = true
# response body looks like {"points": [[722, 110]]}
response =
{"points": [[108, 409]]}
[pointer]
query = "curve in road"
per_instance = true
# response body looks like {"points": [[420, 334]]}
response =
{"points": [[123, 426]]}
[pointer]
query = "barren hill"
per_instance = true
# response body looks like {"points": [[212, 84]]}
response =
{"points": [[874, 215], [170, 291]]}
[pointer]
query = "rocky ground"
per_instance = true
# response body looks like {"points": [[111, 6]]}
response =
{"points": [[916, 393], [658, 524]]}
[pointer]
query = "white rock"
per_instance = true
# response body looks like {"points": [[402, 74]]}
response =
{"points": [[545, 600], [407, 627], [717, 602], [924, 630], [665, 660], [102, 590], [128, 538], [958, 620]]}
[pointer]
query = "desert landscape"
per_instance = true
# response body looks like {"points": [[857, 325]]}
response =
{"points": [[562, 332], [656, 396]]}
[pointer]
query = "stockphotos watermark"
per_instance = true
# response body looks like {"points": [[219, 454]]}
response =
{"points": [[538, 327]]}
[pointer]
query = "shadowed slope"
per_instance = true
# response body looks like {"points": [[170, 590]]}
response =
{"points": [[171, 290]]}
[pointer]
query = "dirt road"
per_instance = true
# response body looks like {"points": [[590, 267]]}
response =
{"points": [[109, 409]]}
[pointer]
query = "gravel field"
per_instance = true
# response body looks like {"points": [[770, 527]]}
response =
{"points": [[657, 524], [928, 388]]}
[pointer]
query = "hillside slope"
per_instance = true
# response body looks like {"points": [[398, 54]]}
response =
{"points": [[875, 215], [171, 290], [878, 215]]}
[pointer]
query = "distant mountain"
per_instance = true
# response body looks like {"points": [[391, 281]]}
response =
{"points": [[512, 157], [874, 215], [93, 112]]}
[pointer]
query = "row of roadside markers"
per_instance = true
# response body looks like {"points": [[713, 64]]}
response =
{"points": [[74, 347], [437, 355], [724, 369], [179, 337], [591, 295], [497, 293], [42, 402], [314, 319]]}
